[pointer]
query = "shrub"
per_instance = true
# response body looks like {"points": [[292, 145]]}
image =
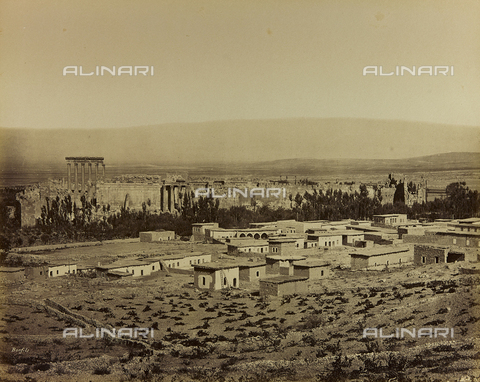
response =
{"points": [[101, 370], [312, 321]]}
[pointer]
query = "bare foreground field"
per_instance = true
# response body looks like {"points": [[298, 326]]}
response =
{"points": [[235, 335]]}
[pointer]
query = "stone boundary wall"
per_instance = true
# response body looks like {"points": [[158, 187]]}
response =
{"points": [[60, 311]]}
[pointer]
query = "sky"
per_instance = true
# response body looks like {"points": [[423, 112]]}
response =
{"points": [[240, 60]]}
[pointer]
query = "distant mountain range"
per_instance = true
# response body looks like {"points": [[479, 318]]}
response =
{"points": [[430, 163], [275, 143]]}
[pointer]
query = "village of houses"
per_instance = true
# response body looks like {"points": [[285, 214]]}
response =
{"points": [[282, 296], [280, 257]]}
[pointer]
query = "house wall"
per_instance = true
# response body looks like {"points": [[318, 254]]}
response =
{"points": [[364, 244], [466, 228], [312, 272], [351, 239], [390, 220], [330, 241], [230, 274], [250, 274], [310, 244], [297, 287], [254, 249], [204, 279], [155, 266], [286, 270], [390, 259], [300, 243], [268, 288], [281, 248], [135, 270], [199, 232], [429, 255], [420, 231], [36, 273], [357, 262], [157, 236], [187, 262], [460, 241], [61, 270], [272, 267]]}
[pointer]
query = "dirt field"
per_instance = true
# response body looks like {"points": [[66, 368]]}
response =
{"points": [[236, 335]]}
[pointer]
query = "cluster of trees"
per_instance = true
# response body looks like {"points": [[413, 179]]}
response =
{"points": [[336, 205], [62, 220]]}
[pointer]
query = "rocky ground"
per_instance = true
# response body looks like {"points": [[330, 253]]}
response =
{"points": [[237, 335]]}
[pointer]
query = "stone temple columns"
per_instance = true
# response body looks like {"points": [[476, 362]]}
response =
{"points": [[77, 186]]}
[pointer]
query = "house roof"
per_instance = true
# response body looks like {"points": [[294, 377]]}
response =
{"points": [[11, 269], [62, 264], [248, 243], [328, 234], [379, 251], [162, 231], [286, 257], [214, 266], [389, 215], [122, 264], [251, 265], [310, 263], [456, 233], [282, 239], [295, 236], [283, 279], [118, 273], [469, 221], [171, 257]]}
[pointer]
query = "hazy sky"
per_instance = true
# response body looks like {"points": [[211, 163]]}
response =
{"points": [[233, 60]]}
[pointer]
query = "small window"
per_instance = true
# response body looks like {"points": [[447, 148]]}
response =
{"points": [[258, 274], [141, 272], [178, 264], [321, 273], [57, 271], [133, 271], [437, 260], [424, 259], [51, 273], [41, 273], [153, 267], [203, 281], [224, 281]]}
